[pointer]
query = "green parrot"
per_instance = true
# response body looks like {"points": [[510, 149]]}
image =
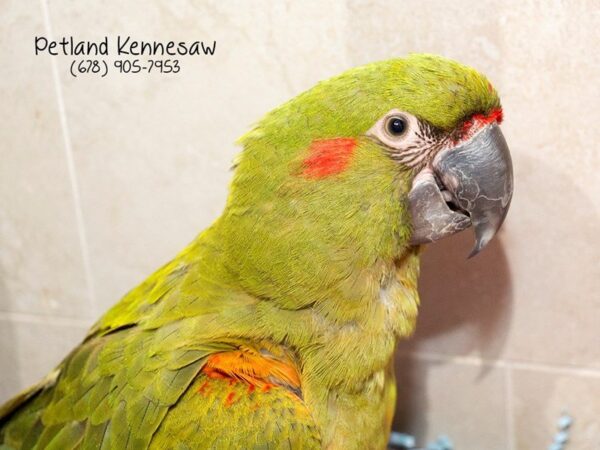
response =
{"points": [[276, 326]]}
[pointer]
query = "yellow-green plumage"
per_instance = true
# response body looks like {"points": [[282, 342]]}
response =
{"points": [[321, 268]]}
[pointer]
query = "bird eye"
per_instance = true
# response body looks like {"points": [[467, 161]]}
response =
{"points": [[396, 129], [396, 126]]}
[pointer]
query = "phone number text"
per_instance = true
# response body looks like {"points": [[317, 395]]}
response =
{"points": [[101, 68]]}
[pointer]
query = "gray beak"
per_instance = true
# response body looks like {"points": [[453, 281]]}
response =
{"points": [[470, 184]]}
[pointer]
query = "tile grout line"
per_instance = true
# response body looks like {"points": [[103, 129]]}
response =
{"points": [[85, 254], [509, 406], [589, 372]]}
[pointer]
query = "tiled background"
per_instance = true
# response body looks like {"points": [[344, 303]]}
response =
{"points": [[102, 180]]}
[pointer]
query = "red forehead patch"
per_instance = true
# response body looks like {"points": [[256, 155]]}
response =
{"points": [[328, 157], [480, 120], [494, 116]]}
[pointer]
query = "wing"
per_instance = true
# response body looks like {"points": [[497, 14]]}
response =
{"points": [[226, 414], [106, 396], [186, 402], [134, 382]]}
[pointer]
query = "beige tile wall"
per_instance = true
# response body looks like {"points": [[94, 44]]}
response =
{"points": [[103, 180]]}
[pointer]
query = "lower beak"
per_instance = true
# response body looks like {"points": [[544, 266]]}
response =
{"points": [[474, 187]]}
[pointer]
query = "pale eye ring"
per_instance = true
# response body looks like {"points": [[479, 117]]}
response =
{"points": [[396, 126], [396, 129]]}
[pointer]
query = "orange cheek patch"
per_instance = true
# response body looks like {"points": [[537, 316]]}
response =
{"points": [[328, 157]]}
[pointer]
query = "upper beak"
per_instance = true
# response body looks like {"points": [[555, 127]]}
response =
{"points": [[478, 178]]}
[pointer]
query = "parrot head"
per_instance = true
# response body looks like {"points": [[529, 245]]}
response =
{"points": [[367, 164]]}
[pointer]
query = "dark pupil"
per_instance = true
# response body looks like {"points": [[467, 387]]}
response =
{"points": [[396, 126]]}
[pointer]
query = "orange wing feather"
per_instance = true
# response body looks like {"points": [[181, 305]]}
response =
{"points": [[255, 368]]}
